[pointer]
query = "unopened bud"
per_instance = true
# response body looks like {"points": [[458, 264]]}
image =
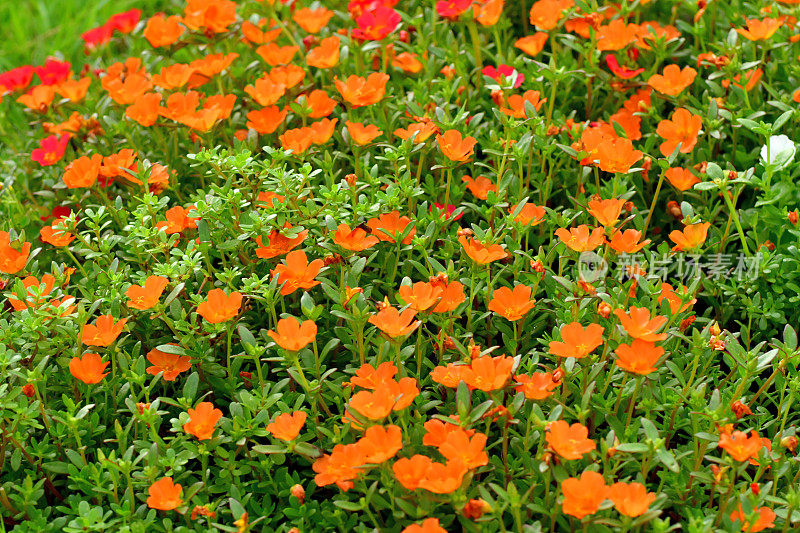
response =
{"points": [[298, 492]]}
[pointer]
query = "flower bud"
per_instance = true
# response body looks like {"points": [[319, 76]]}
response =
{"points": [[790, 443], [603, 309], [475, 509], [298, 492]]}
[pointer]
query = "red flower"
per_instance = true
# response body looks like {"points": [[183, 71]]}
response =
{"points": [[50, 150], [620, 71], [376, 24], [53, 71], [503, 74], [16, 79]]}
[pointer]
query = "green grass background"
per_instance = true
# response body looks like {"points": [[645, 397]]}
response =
{"points": [[36, 29]]}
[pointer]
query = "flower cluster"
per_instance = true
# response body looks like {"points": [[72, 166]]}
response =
{"points": [[301, 266]]}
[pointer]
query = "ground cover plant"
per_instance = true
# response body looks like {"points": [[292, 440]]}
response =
{"points": [[403, 266]]}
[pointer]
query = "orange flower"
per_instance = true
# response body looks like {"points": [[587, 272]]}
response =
{"points": [[12, 260], [56, 235], [532, 44], [170, 364], [578, 342], [388, 227], [326, 55], [631, 499], [219, 306], [379, 444], [163, 31], [429, 525], [460, 447], [627, 242], [449, 376], [682, 128], [267, 119], [693, 236], [583, 496], [407, 62], [173, 76], [545, 14], [512, 304], [319, 104], [178, 220], [88, 368], [264, 91], [488, 373], [480, 253], [312, 20], [410, 472], [39, 98], [74, 90], [570, 442], [616, 35], [276, 55], [368, 377], [295, 272], [214, 15], [340, 467], [164, 495], [579, 239], [298, 140], [456, 148], [104, 332], [420, 131], [480, 187], [202, 420], [759, 30], [292, 335], [681, 178], [638, 324], [537, 386], [673, 80], [265, 199], [674, 299], [127, 91], [287, 75], [355, 240], [145, 109], [359, 92], [279, 244], [374, 405], [146, 296], [740, 446], [394, 323], [606, 211], [530, 214], [437, 431], [118, 164], [35, 292], [616, 155], [765, 520], [639, 357], [361, 134], [487, 12], [516, 103], [287, 426], [421, 296], [254, 34], [83, 172], [443, 478], [322, 130], [451, 297]]}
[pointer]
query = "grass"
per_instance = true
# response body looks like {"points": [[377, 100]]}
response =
{"points": [[33, 30]]}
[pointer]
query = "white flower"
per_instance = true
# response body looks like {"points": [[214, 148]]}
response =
{"points": [[781, 152]]}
